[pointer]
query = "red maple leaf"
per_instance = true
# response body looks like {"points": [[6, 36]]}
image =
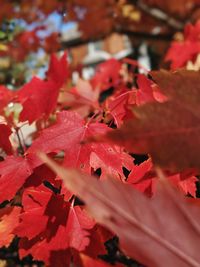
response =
{"points": [[118, 105], [70, 133], [107, 74], [38, 97], [82, 98], [144, 93], [5, 133], [60, 226], [187, 49], [58, 69], [98, 236], [5, 97], [169, 131], [14, 171], [144, 178]]}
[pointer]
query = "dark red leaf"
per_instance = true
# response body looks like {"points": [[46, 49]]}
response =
{"points": [[169, 131], [60, 226], [143, 225], [14, 171], [5, 133]]}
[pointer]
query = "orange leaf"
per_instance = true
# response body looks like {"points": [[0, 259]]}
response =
{"points": [[9, 218]]}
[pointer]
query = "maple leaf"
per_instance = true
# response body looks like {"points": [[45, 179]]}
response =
{"points": [[42, 250], [169, 131], [40, 174], [82, 98], [138, 220], [148, 91], [5, 133], [107, 74], [59, 225], [145, 93], [187, 185], [69, 134], [187, 49], [9, 218], [58, 69], [38, 97], [118, 106], [5, 97], [98, 236], [144, 178], [34, 205], [14, 171]]}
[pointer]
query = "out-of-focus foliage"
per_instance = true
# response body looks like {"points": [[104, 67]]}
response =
{"points": [[27, 27]]}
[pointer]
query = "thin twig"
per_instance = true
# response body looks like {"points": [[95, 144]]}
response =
{"points": [[21, 148]]}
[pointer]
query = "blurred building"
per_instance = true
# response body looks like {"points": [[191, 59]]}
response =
{"points": [[87, 55]]}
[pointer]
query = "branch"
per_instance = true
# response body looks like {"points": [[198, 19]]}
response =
{"points": [[159, 14]]}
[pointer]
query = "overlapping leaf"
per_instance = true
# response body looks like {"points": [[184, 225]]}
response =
{"points": [[9, 218], [60, 226], [187, 49], [118, 106], [169, 131], [107, 74], [38, 97], [14, 171], [5, 96], [144, 178], [5, 133], [140, 223], [69, 134], [82, 98]]}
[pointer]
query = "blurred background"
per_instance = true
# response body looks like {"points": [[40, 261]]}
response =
{"points": [[91, 32]]}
